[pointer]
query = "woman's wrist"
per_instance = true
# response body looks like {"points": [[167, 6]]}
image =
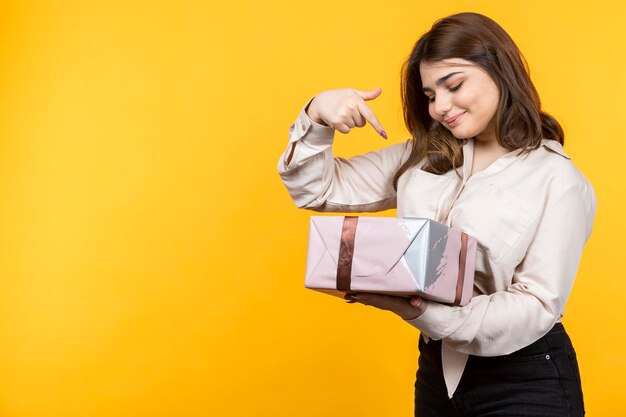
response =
{"points": [[312, 113]]}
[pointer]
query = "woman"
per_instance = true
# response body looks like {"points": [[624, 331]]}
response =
{"points": [[485, 159]]}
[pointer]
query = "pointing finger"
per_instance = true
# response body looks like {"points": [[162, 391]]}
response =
{"points": [[371, 118]]}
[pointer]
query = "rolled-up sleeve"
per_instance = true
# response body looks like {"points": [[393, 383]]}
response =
{"points": [[317, 180]]}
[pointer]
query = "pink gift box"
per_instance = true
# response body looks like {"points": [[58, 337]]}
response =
{"points": [[390, 255]]}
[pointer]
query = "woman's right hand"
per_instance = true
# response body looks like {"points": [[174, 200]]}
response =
{"points": [[344, 109]]}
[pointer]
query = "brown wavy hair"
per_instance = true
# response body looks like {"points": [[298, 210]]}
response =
{"points": [[519, 121]]}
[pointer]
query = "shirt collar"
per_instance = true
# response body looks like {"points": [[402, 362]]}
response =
{"points": [[505, 160], [554, 146], [495, 167], [468, 157]]}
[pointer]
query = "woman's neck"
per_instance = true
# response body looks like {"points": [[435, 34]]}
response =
{"points": [[485, 153]]}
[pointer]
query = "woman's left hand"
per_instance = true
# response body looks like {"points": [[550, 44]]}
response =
{"points": [[404, 307]]}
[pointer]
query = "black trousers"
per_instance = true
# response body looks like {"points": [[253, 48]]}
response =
{"points": [[541, 379]]}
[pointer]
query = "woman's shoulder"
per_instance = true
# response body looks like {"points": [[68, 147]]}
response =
{"points": [[557, 165]]}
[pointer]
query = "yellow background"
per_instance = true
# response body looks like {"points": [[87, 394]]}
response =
{"points": [[151, 261]]}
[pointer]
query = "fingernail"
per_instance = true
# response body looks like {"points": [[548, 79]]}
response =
{"points": [[383, 134]]}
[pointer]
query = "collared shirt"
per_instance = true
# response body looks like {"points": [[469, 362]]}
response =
{"points": [[530, 213]]}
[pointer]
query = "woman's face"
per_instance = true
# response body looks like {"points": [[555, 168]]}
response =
{"points": [[462, 97]]}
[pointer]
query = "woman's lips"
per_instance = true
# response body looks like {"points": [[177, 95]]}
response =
{"points": [[453, 121]]}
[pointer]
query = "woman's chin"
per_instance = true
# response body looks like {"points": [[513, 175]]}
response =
{"points": [[460, 135]]}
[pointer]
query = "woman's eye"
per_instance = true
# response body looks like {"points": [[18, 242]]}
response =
{"points": [[456, 87], [430, 99]]}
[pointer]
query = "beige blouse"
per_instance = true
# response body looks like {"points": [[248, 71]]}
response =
{"points": [[531, 215]]}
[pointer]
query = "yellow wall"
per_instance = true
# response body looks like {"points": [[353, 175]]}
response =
{"points": [[151, 261]]}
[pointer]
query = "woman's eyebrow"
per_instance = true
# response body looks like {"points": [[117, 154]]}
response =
{"points": [[442, 80]]}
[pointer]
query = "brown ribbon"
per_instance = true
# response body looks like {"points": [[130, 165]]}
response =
{"points": [[346, 252], [461, 278]]}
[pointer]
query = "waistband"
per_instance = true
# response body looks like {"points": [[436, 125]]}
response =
{"points": [[552, 337]]}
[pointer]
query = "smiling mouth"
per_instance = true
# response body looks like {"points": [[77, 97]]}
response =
{"points": [[454, 119]]}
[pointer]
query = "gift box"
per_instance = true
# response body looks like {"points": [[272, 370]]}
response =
{"points": [[390, 255]]}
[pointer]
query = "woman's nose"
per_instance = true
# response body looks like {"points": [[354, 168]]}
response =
{"points": [[442, 105]]}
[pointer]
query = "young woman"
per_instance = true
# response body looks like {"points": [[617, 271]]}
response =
{"points": [[485, 159]]}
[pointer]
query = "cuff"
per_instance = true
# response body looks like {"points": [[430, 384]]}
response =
{"points": [[438, 320], [316, 133]]}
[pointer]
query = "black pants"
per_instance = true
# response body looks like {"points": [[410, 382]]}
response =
{"points": [[541, 379]]}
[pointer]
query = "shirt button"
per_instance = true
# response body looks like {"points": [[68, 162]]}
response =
{"points": [[548, 357], [303, 127]]}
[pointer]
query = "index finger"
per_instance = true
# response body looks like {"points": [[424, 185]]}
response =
{"points": [[368, 114]]}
